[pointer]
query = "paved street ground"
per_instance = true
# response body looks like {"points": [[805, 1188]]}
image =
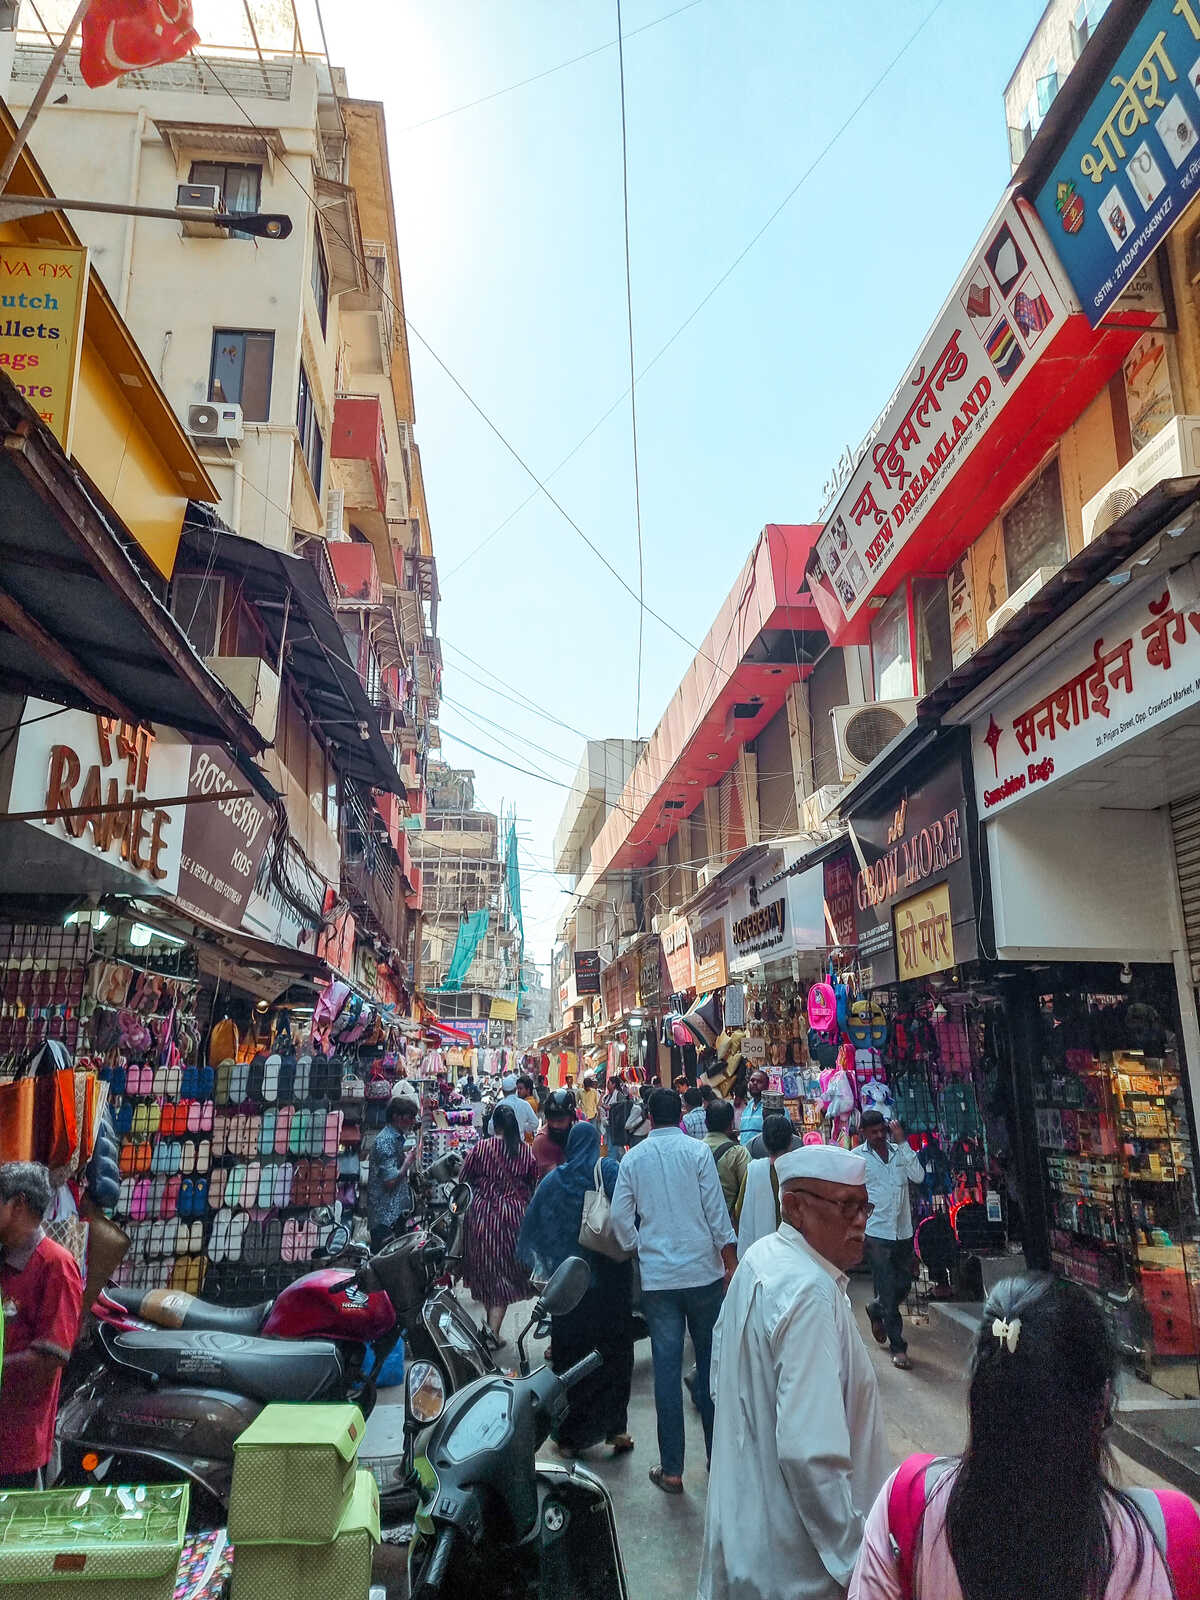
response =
{"points": [[661, 1535]]}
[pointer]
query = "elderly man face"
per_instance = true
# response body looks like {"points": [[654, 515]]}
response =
{"points": [[831, 1216]]}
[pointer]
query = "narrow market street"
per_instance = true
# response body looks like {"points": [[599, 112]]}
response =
{"points": [[661, 1537]]}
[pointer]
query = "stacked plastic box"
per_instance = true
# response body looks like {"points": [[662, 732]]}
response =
{"points": [[302, 1517]]}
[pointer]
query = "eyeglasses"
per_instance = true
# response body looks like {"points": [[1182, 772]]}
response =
{"points": [[851, 1209]]}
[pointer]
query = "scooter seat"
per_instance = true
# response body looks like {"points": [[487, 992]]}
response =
{"points": [[260, 1369], [173, 1308]]}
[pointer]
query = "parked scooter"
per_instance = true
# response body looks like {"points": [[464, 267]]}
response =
{"points": [[166, 1403], [492, 1520]]}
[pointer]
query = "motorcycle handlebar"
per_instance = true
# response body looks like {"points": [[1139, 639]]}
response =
{"points": [[435, 1572], [581, 1370]]}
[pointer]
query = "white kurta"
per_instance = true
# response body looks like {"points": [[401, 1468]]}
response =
{"points": [[799, 1452], [758, 1206]]}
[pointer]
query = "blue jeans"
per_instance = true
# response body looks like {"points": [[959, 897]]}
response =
{"points": [[666, 1312]]}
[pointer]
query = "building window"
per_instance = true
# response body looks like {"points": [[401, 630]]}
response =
{"points": [[239, 184], [196, 603], [1047, 87], [931, 608], [311, 442], [1085, 22], [240, 371], [1035, 530], [319, 278], [891, 649]]}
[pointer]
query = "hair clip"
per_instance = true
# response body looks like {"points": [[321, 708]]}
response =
{"points": [[1007, 1332]]}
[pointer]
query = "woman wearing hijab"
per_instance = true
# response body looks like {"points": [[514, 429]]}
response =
{"points": [[603, 1319], [502, 1172]]}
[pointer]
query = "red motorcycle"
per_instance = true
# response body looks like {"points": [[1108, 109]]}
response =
{"points": [[178, 1379]]}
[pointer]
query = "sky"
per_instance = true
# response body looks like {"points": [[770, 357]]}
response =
{"points": [[511, 229]]}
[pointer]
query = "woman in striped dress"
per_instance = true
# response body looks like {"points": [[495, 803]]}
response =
{"points": [[502, 1173]]}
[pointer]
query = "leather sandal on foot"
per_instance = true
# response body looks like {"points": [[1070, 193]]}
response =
{"points": [[902, 1359], [620, 1444], [667, 1485]]}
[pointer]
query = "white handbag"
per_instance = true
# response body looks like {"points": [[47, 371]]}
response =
{"points": [[595, 1229]]}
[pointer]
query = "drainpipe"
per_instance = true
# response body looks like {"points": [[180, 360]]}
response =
{"points": [[135, 177]]}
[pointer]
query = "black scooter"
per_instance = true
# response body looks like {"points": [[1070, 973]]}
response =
{"points": [[492, 1520]]}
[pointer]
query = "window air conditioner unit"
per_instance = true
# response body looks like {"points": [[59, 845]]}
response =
{"points": [[627, 918], [861, 732], [819, 804], [1018, 600], [203, 199], [215, 419], [255, 684], [705, 875], [1172, 453]]}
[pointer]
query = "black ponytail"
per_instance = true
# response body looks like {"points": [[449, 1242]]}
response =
{"points": [[504, 1125], [1031, 1505]]}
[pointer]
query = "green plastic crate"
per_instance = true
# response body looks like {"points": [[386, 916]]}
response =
{"points": [[293, 1474], [111, 1543], [339, 1570]]}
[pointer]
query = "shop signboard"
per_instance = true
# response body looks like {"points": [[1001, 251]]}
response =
{"points": [[905, 847], [649, 989], [1133, 164], [475, 1027], [70, 761], [41, 327], [708, 951], [503, 1008], [924, 937], [587, 972], [223, 840], [1129, 672], [677, 953], [838, 876], [1003, 312]]}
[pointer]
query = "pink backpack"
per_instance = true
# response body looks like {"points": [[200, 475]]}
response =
{"points": [[1173, 1520]]}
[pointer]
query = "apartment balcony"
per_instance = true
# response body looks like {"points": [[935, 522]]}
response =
{"points": [[369, 884], [358, 450], [391, 812], [355, 575]]}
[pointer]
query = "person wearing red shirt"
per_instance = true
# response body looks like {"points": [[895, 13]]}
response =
{"points": [[550, 1145], [42, 1295]]}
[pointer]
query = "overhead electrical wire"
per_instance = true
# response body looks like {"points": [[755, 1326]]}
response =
{"points": [[725, 276], [637, 482], [537, 77]]}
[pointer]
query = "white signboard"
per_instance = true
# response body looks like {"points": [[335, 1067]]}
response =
{"points": [[70, 761], [1003, 313], [1142, 670]]}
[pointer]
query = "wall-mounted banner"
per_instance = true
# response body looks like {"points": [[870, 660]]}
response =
{"points": [[1003, 312], [587, 972], [223, 840], [1136, 669], [708, 953], [1133, 164], [43, 292], [677, 953]]}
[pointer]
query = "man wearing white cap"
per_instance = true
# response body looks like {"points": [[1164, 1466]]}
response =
{"points": [[527, 1117], [798, 1449]]}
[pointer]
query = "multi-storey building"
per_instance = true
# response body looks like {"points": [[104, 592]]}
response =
{"points": [[312, 590]]}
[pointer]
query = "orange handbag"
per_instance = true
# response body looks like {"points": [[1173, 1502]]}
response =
{"points": [[16, 1120]]}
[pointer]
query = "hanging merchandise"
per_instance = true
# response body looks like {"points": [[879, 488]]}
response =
{"points": [[822, 1008]]}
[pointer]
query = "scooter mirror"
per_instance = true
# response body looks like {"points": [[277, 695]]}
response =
{"points": [[566, 1288], [424, 1393], [460, 1199]]}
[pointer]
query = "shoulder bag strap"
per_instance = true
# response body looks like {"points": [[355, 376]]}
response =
{"points": [[906, 1507], [1174, 1523]]}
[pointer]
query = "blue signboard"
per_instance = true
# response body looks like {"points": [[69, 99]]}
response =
{"points": [[1134, 163]]}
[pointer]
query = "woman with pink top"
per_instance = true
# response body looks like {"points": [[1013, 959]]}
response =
{"points": [[1030, 1508]]}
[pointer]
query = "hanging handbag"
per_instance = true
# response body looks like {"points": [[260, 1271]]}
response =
{"points": [[595, 1228]]}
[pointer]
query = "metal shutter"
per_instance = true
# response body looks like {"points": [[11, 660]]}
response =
{"points": [[1185, 827]]}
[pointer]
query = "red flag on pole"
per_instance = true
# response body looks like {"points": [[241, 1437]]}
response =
{"points": [[126, 35]]}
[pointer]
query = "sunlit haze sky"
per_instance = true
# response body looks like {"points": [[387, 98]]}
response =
{"points": [[512, 255]]}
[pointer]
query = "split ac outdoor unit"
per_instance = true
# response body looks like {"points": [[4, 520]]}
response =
{"points": [[203, 199], [819, 804], [1019, 599], [861, 732], [1172, 453], [255, 684], [627, 918], [215, 419]]}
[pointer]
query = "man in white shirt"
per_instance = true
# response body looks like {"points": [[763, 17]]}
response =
{"points": [[799, 1453], [892, 1164], [668, 1206], [527, 1117]]}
